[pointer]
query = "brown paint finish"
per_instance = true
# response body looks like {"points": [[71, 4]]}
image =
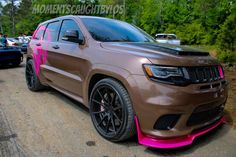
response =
{"points": [[71, 67]]}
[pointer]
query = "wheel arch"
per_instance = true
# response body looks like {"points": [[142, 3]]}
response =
{"points": [[96, 75]]}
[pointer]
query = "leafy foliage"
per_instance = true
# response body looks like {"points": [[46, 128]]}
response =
{"points": [[195, 22]]}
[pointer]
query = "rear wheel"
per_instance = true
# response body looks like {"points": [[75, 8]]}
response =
{"points": [[32, 80], [111, 110]]}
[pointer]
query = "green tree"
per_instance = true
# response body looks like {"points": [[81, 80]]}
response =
{"points": [[227, 34]]}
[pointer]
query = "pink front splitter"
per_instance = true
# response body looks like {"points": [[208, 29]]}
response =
{"points": [[174, 142]]}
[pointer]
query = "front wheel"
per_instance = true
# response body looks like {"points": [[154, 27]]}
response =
{"points": [[111, 110]]}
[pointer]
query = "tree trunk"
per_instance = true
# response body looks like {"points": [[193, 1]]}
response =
{"points": [[13, 17]]}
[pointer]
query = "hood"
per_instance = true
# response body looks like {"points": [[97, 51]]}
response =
{"points": [[157, 48], [163, 53]]}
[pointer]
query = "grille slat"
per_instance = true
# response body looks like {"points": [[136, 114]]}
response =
{"points": [[207, 73], [214, 73], [196, 74]]}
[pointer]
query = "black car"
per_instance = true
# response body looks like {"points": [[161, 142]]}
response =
{"points": [[10, 55]]}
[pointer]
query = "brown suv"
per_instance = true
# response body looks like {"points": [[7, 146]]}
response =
{"points": [[167, 94]]}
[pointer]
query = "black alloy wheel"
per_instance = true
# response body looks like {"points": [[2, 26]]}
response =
{"points": [[111, 110], [32, 79]]}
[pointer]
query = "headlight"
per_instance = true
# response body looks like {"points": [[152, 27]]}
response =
{"points": [[166, 74]]}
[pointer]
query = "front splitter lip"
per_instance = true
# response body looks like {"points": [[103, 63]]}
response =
{"points": [[173, 142]]}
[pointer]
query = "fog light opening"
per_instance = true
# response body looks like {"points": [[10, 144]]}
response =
{"points": [[166, 122]]}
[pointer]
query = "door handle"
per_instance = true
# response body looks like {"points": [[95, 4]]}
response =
{"points": [[56, 47], [38, 44]]}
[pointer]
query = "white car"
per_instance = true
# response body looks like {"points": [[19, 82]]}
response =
{"points": [[24, 40], [12, 42], [167, 39]]}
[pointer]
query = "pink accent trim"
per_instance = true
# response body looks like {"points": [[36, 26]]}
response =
{"points": [[220, 69], [174, 142], [40, 53]]}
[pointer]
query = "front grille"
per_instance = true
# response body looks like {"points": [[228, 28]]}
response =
{"points": [[199, 116], [204, 74]]}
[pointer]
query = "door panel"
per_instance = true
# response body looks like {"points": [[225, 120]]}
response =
{"points": [[65, 62], [64, 67]]}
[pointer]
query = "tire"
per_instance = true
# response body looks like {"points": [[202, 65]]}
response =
{"points": [[111, 110], [32, 80]]}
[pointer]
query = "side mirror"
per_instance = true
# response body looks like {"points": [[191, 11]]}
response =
{"points": [[72, 36]]}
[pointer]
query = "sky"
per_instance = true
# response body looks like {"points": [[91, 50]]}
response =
{"points": [[4, 3]]}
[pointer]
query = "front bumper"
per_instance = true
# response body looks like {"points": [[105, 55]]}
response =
{"points": [[152, 100], [173, 142]]}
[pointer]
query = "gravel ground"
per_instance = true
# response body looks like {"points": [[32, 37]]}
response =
{"points": [[49, 124]]}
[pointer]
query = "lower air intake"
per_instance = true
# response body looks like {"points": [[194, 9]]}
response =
{"points": [[166, 122]]}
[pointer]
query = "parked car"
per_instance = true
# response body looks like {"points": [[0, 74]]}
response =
{"points": [[10, 55], [168, 94], [167, 39], [24, 42], [12, 42], [24, 39]]}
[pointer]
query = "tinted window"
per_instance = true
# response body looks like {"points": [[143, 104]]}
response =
{"points": [[52, 30], [108, 30], [68, 25], [172, 37], [39, 34], [160, 36]]}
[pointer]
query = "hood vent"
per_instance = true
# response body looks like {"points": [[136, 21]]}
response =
{"points": [[173, 49]]}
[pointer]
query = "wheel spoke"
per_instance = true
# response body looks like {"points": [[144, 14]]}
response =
{"points": [[117, 117], [108, 96], [113, 98], [117, 108], [32, 80], [99, 112], [29, 70], [108, 122], [99, 93], [99, 103], [113, 124], [101, 121]]}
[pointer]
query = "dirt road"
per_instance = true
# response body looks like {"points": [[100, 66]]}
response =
{"points": [[48, 124]]}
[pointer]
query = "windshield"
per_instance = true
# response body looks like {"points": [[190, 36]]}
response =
{"points": [[108, 30]]}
